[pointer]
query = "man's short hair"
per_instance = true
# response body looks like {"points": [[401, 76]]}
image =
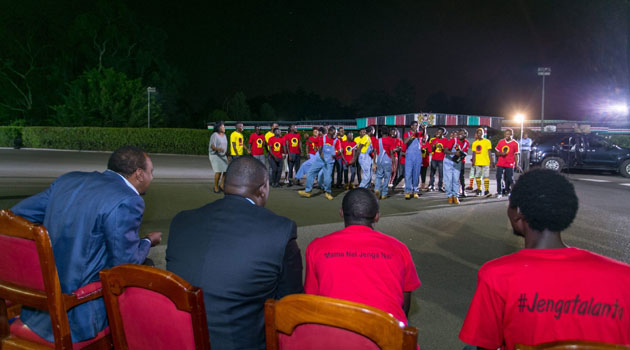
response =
{"points": [[332, 128], [360, 204], [127, 159], [546, 199], [246, 171], [413, 122], [384, 130], [274, 130], [510, 130]]}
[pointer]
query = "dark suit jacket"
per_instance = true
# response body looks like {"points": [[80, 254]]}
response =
{"points": [[93, 221], [240, 254]]}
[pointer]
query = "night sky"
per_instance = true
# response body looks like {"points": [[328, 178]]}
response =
{"points": [[486, 51]]}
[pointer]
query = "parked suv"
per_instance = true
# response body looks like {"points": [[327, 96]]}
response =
{"points": [[559, 151]]}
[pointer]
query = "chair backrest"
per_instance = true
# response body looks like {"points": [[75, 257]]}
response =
{"points": [[28, 274], [572, 345], [153, 309], [303, 321]]}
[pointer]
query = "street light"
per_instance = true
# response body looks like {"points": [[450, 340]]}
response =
{"points": [[543, 72], [520, 118], [150, 89]]}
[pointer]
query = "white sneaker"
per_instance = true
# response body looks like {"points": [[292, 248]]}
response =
{"points": [[499, 195]]}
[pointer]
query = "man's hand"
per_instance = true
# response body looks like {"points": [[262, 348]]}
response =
{"points": [[155, 237]]}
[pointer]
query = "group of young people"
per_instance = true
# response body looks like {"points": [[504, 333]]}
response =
{"points": [[335, 158]]}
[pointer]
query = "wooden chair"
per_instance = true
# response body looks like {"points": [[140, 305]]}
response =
{"points": [[572, 345], [28, 276], [153, 309], [302, 321]]}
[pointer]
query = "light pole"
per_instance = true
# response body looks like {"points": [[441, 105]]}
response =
{"points": [[520, 117], [543, 71], [150, 89]]}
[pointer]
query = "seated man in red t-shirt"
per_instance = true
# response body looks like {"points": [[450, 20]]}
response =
{"points": [[547, 291], [345, 264]]}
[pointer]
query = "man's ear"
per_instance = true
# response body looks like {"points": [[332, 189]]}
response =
{"points": [[341, 212], [376, 217]]}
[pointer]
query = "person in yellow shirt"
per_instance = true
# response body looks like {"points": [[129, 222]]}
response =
{"points": [[236, 141], [481, 161], [364, 145]]}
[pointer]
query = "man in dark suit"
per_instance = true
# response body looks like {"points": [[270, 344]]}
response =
{"points": [[93, 221], [239, 253]]}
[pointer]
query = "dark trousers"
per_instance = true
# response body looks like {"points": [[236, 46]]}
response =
{"points": [[461, 177], [276, 170], [437, 166], [401, 174], [509, 175], [338, 168], [353, 172], [294, 164], [423, 175]]}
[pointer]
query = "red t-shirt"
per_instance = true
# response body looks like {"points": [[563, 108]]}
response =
{"points": [[402, 156], [257, 142], [507, 161], [541, 295], [361, 265], [418, 135], [463, 145], [313, 144], [374, 145], [276, 143], [426, 152], [294, 142], [348, 150], [388, 144], [437, 146]]}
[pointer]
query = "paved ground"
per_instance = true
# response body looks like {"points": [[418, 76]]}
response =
{"points": [[448, 243]]}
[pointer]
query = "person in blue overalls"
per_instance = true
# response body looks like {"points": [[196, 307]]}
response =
{"points": [[413, 160], [386, 148], [364, 145], [325, 162]]}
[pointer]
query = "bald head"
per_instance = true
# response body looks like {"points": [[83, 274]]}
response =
{"points": [[360, 207], [247, 177]]}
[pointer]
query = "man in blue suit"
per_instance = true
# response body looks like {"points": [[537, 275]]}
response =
{"points": [[240, 254], [93, 221]]}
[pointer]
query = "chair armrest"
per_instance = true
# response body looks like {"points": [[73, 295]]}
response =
{"points": [[84, 294]]}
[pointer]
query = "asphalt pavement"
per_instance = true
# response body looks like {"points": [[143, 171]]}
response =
{"points": [[448, 243]]}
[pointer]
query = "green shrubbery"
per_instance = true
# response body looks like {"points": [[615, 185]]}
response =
{"points": [[621, 140], [8, 135], [178, 141]]}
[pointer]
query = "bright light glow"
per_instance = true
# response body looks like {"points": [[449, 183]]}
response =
{"points": [[519, 117], [620, 108]]}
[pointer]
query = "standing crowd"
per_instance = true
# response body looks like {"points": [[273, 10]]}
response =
{"points": [[335, 158]]}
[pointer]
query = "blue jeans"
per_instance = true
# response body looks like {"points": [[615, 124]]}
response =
{"points": [[326, 170], [413, 164], [451, 177], [383, 173], [366, 170]]}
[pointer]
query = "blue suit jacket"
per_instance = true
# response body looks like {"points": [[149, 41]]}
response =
{"points": [[93, 221]]}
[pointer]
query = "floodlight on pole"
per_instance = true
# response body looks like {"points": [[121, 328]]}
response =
{"points": [[543, 72], [150, 89]]}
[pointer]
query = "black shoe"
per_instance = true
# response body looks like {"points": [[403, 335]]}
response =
{"points": [[442, 190], [463, 195]]}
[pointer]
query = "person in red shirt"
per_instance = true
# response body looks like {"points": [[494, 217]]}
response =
{"points": [[396, 159], [455, 153], [465, 145], [312, 147], [294, 147], [349, 160], [338, 165], [386, 147], [257, 145], [426, 159], [547, 292], [437, 159], [507, 158], [360, 264], [276, 148]]}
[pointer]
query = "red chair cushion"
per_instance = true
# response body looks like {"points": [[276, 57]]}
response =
{"points": [[144, 311], [20, 330], [315, 336], [88, 290], [19, 262]]}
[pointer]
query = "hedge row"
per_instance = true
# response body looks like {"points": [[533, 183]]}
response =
{"points": [[177, 141]]}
